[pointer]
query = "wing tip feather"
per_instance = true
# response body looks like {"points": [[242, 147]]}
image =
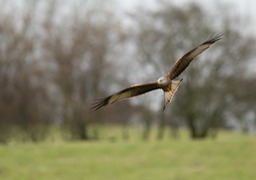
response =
{"points": [[99, 103], [213, 38]]}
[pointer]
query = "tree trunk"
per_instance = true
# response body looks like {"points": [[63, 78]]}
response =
{"points": [[160, 134], [196, 132], [146, 132]]}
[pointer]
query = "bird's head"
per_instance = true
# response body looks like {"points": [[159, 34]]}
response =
{"points": [[162, 81]]}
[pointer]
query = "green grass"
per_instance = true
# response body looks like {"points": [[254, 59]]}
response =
{"points": [[230, 156]]}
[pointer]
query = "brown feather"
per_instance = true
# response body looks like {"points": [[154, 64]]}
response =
{"points": [[183, 62], [134, 90], [168, 95]]}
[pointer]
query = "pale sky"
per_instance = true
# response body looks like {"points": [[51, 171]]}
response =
{"points": [[244, 8]]}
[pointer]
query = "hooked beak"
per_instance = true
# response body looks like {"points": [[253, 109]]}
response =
{"points": [[168, 95]]}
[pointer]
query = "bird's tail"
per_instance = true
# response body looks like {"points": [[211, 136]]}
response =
{"points": [[170, 93]]}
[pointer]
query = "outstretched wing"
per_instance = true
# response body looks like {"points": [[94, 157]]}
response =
{"points": [[182, 63], [134, 90]]}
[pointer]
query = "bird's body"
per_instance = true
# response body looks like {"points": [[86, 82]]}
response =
{"points": [[168, 83]]}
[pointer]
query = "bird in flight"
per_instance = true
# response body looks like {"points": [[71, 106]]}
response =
{"points": [[168, 83]]}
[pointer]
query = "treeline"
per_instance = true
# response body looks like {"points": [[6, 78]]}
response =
{"points": [[55, 58]]}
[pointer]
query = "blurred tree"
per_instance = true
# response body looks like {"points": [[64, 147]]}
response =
{"points": [[24, 98], [243, 112], [62, 58], [80, 51], [166, 33]]}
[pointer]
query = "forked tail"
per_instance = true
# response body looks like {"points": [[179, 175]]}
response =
{"points": [[168, 95]]}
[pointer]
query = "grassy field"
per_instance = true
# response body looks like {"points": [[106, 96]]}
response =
{"points": [[230, 156]]}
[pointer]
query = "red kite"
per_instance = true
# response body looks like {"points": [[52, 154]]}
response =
{"points": [[167, 83]]}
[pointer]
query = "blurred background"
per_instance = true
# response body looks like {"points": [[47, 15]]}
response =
{"points": [[58, 56]]}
